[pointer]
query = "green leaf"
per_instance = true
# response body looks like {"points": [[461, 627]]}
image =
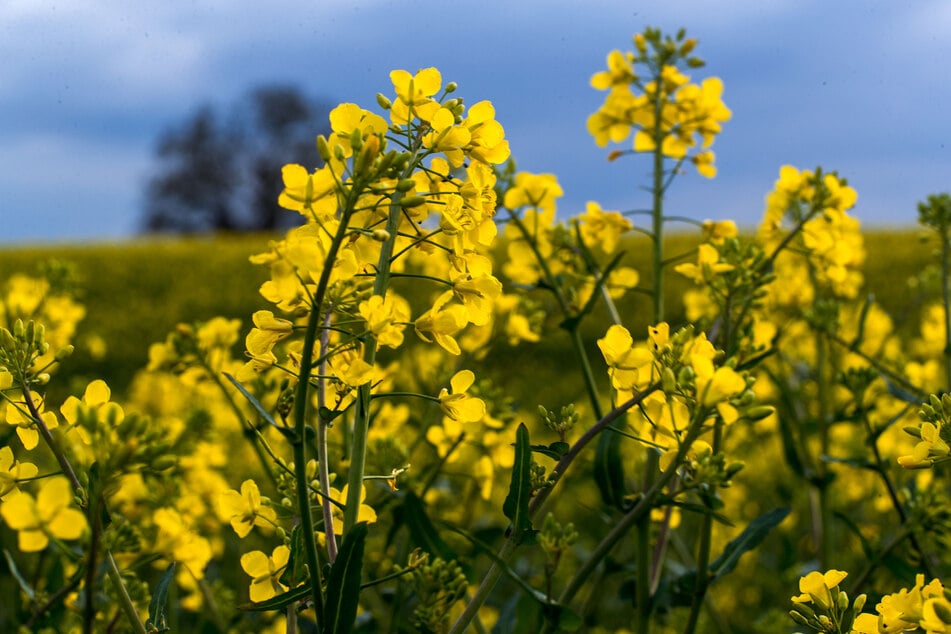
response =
{"points": [[751, 537], [679, 591], [421, 529], [255, 403], [515, 506], [343, 582], [609, 470], [24, 585], [158, 621]]}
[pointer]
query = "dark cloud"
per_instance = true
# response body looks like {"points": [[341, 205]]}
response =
{"points": [[854, 86]]}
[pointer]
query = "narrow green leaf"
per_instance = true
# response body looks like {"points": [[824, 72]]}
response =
{"points": [[609, 470], [343, 582], [751, 537], [255, 403], [158, 620], [515, 506], [24, 585], [421, 529]]}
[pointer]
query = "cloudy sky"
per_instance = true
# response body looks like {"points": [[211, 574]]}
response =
{"points": [[86, 87]]}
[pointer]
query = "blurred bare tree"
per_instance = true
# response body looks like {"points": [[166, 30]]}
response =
{"points": [[222, 172]]}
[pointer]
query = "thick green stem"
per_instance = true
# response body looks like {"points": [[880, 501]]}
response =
{"points": [[825, 514], [589, 381], [946, 299], [644, 558], [361, 423], [628, 521], [703, 550], [323, 466], [301, 407], [125, 601]]}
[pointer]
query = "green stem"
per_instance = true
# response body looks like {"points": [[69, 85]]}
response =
{"points": [[946, 300], [125, 601], [323, 466], [703, 551], [825, 516], [64, 463], [361, 423], [590, 384], [628, 521], [589, 381], [557, 474], [301, 406]]}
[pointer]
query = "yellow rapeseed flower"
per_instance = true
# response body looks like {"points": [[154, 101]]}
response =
{"points": [[51, 514]]}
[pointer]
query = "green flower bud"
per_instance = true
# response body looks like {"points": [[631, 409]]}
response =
{"points": [[64, 352], [412, 201], [382, 100], [759, 412], [323, 149], [405, 185], [668, 381], [798, 618], [380, 235], [356, 139]]}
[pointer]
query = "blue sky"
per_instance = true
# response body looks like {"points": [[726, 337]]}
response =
{"points": [[858, 86]]}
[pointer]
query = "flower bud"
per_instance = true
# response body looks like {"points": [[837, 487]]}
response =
{"points": [[759, 412], [412, 201], [380, 235], [798, 618], [323, 149], [859, 603], [382, 100], [668, 381], [405, 185], [451, 87], [64, 352], [356, 139]]}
